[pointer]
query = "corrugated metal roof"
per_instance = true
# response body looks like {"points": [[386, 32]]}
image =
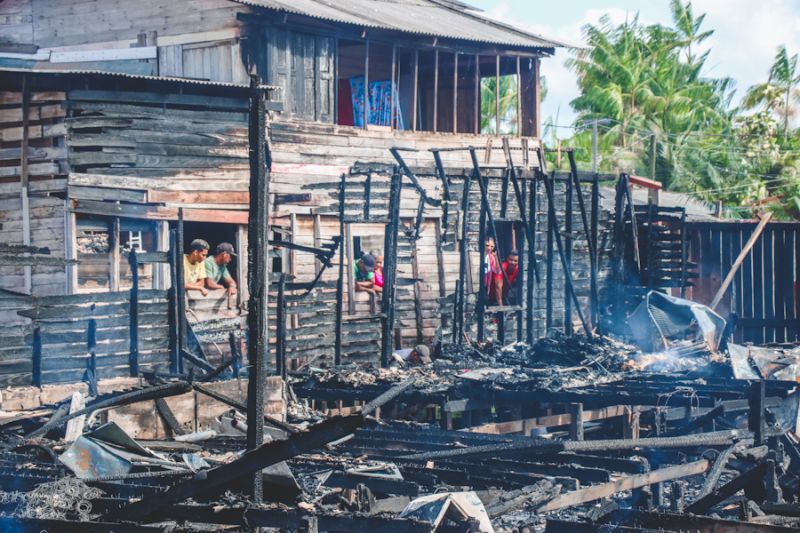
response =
{"points": [[439, 18], [90, 72]]}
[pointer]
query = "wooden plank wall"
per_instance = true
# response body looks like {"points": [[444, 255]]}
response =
{"points": [[764, 290], [60, 23], [151, 153], [43, 217], [64, 321], [16, 24]]}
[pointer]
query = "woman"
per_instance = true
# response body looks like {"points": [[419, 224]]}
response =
{"points": [[378, 272], [493, 274]]}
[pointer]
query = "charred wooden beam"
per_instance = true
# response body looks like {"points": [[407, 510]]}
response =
{"points": [[596, 492], [258, 255], [717, 438], [249, 464], [388, 396]]}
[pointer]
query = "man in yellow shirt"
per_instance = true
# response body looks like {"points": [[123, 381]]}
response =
{"points": [[194, 269]]}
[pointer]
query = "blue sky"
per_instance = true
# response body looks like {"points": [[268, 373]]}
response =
{"points": [[747, 33]]}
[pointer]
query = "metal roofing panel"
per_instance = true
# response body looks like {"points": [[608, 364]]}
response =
{"points": [[426, 17], [91, 72]]}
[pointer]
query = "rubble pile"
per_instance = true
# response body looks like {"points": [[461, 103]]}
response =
{"points": [[567, 434]]}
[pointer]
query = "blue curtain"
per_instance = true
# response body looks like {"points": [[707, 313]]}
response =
{"points": [[380, 103]]}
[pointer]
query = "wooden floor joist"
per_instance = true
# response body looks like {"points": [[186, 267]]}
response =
{"points": [[604, 490]]}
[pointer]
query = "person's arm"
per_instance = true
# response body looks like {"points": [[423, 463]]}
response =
{"points": [[229, 281], [198, 285], [498, 289], [211, 284], [365, 286]]}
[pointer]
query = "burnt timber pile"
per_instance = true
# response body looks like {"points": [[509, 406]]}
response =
{"points": [[640, 375]]}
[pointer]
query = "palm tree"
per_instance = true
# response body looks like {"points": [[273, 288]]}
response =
{"points": [[507, 101], [688, 27], [780, 91]]}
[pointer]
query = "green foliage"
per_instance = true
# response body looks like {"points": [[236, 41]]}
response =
{"points": [[507, 101], [643, 80]]}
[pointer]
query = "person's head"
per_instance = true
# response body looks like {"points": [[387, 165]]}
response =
{"points": [[378, 258], [366, 263], [421, 355], [513, 258], [490, 246], [223, 253], [198, 250]]}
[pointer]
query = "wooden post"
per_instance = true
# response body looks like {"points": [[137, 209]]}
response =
{"points": [[70, 248], [26, 213], [36, 357], [241, 265], [531, 287], [91, 363], [568, 256], [258, 272], [390, 268], [366, 83], [133, 324], [337, 349], [436, 90], [538, 99], [351, 290], [417, 292], [480, 304], [180, 304], [455, 92], [519, 98], [416, 91], [161, 270], [576, 421], [460, 304], [280, 328], [175, 265], [113, 256], [755, 421], [394, 86], [477, 128], [595, 224], [497, 95]]}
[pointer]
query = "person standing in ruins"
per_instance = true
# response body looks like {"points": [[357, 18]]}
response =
{"points": [[378, 272], [364, 273], [493, 274]]}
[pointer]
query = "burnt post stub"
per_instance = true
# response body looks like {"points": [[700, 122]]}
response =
{"points": [[755, 422], [337, 346], [133, 356], [390, 269]]}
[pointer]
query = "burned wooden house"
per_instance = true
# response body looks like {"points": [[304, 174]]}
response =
{"points": [[113, 137]]}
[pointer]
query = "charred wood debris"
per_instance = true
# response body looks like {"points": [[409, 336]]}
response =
{"points": [[571, 433]]}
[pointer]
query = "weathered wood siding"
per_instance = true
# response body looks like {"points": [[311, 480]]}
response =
{"points": [[64, 325], [16, 22], [64, 22], [155, 152], [46, 168]]}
